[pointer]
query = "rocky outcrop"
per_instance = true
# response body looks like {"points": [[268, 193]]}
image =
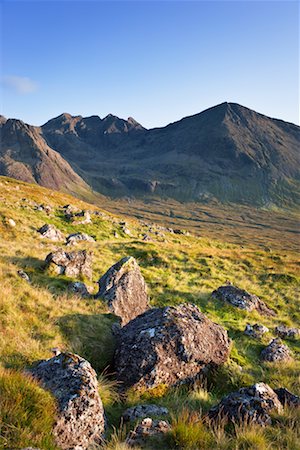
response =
{"points": [[285, 332], [124, 289], [241, 299], [71, 264], [276, 351], [147, 428], [251, 405], [79, 288], [142, 411], [73, 382], [257, 330], [168, 345], [287, 398], [78, 237], [49, 231]]}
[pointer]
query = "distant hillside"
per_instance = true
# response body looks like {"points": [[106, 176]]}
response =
{"points": [[227, 153]]}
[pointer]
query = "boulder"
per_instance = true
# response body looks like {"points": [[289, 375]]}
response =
{"points": [[256, 330], [241, 299], [73, 382], [81, 218], [168, 346], [285, 332], [124, 289], [71, 264], [142, 411], [250, 405], [276, 351], [145, 429], [49, 231], [287, 398], [78, 237], [79, 288]]}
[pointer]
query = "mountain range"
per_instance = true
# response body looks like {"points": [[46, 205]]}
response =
{"points": [[227, 153]]}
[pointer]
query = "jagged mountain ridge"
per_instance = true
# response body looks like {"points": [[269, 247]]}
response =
{"points": [[228, 153]]}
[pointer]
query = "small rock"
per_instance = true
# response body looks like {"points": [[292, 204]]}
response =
{"points": [[116, 235], [81, 218], [276, 351], [124, 289], [147, 238], [24, 275], [126, 231], [11, 223], [79, 289], [287, 398], [77, 237], [168, 346], [71, 264], [241, 299], [250, 405], [286, 332], [73, 382], [147, 428], [49, 231], [256, 330], [142, 411]]}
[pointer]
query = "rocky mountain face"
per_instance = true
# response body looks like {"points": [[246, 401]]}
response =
{"points": [[26, 156], [227, 153]]}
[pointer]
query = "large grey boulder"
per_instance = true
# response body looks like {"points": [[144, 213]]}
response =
{"points": [[79, 237], [276, 351], [257, 330], [49, 231], [124, 289], [285, 332], [71, 264], [251, 405], [168, 345], [241, 299], [80, 420]]}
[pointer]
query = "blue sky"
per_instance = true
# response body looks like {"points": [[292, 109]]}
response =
{"points": [[157, 61]]}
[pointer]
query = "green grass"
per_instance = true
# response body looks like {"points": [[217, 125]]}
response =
{"points": [[38, 316]]}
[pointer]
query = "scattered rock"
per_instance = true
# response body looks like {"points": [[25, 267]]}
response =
{"points": [[286, 332], [77, 237], [70, 211], [11, 223], [147, 428], [46, 208], [80, 418], [251, 405], [168, 345], [24, 275], [287, 398], [49, 231], [146, 238], [71, 264], [124, 289], [81, 218], [142, 411], [126, 231], [276, 351], [241, 299], [256, 330], [79, 288], [116, 235]]}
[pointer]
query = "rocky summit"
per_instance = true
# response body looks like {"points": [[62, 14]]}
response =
{"points": [[168, 345], [124, 289], [80, 418]]}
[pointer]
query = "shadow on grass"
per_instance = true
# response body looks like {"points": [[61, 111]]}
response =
{"points": [[91, 337]]}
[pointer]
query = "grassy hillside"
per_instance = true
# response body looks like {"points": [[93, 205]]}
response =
{"points": [[38, 316]]}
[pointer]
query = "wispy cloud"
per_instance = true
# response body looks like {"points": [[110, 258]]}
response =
{"points": [[21, 85]]}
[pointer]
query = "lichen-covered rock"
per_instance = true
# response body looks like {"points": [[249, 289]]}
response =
{"points": [[142, 411], [79, 288], [49, 231], [285, 332], [124, 289], [71, 264], [168, 345], [256, 330], [287, 398], [250, 405], [276, 351], [241, 299], [73, 382], [147, 428], [78, 237]]}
